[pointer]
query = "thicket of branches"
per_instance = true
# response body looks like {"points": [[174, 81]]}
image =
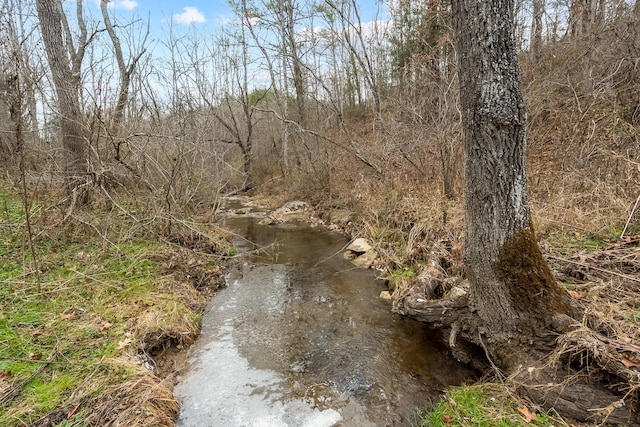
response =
{"points": [[309, 93]]}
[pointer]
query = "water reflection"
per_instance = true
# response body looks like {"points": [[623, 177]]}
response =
{"points": [[299, 338]]}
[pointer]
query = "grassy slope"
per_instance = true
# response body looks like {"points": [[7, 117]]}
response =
{"points": [[75, 339]]}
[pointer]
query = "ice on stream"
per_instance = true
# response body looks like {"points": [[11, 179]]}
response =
{"points": [[222, 389]]}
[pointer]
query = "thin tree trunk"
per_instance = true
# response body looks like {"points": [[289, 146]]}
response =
{"points": [[66, 79], [298, 77], [536, 30], [125, 70]]}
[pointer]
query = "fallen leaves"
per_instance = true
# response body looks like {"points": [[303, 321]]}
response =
{"points": [[4, 375], [628, 363], [125, 342], [105, 325], [577, 295], [528, 414], [446, 419]]}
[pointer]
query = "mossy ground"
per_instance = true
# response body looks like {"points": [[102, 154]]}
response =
{"points": [[108, 294]]}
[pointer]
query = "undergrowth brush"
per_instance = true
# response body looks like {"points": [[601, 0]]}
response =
{"points": [[579, 215], [78, 336]]}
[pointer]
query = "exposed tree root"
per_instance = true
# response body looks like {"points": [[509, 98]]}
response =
{"points": [[576, 394], [589, 377]]}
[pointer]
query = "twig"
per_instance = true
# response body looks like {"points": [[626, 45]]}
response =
{"points": [[630, 216], [624, 276], [15, 389], [498, 372], [335, 253], [22, 359]]}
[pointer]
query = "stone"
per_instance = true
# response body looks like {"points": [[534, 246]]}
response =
{"points": [[365, 260], [360, 253], [359, 245], [291, 207]]}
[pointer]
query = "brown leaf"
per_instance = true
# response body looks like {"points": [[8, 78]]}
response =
{"points": [[577, 295], [65, 316], [35, 356], [446, 419], [629, 363], [125, 342], [527, 414], [105, 326]]}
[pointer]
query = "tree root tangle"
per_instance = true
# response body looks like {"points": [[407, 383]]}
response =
{"points": [[603, 388]]}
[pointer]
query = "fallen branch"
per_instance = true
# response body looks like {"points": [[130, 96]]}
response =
{"points": [[575, 394], [615, 357], [591, 267]]}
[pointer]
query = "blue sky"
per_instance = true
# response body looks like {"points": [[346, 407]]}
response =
{"points": [[192, 12], [199, 13], [197, 19]]}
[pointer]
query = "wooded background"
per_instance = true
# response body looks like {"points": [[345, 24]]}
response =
{"points": [[309, 93]]}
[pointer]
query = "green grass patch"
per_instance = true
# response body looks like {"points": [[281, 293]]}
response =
{"points": [[398, 275], [482, 405], [68, 334], [570, 242]]}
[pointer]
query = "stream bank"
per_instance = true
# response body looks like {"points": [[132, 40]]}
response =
{"points": [[300, 337]]}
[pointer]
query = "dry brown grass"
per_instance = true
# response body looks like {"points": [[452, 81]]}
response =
{"points": [[142, 400]]}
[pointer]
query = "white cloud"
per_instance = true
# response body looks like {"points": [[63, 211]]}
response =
{"points": [[126, 4], [223, 20], [120, 4], [191, 15]]}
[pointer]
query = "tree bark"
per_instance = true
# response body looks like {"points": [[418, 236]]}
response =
{"points": [[66, 79], [126, 70], [513, 293]]}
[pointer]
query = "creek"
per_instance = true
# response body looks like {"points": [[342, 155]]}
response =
{"points": [[300, 338]]}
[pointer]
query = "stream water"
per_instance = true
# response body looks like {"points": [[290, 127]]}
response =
{"points": [[300, 338]]}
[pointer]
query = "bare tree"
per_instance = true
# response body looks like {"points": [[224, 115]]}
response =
{"points": [[360, 57], [125, 69], [65, 61], [229, 101], [585, 16], [536, 29], [286, 12]]}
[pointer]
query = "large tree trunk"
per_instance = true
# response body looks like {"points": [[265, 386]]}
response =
{"points": [[66, 81], [512, 291], [514, 310]]}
